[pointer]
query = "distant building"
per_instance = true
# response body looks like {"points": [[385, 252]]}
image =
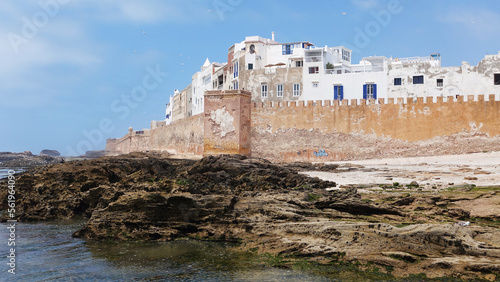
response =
{"points": [[292, 71]]}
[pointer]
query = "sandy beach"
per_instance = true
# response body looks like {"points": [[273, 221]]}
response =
{"points": [[436, 172]]}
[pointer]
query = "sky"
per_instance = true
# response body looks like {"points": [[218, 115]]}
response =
{"points": [[76, 72]]}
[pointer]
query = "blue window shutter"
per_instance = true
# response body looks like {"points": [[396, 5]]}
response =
{"points": [[335, 93], [342, 92], [364, 91], [374, 91]]}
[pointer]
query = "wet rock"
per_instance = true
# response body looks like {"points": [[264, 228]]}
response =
{"points": [[404, 201], [270, 208], [458, 213]]}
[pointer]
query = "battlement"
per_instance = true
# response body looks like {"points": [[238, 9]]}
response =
{"points": [[403, 119], [381, 101], [227, 92]]}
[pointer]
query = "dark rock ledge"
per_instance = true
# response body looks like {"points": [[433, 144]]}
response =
{"points": [[269, 207]]}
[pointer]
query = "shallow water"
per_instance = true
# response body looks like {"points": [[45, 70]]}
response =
{"points": [[46, 251]]}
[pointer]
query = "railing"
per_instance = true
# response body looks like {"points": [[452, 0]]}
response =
{"points": [[412, 59], [355, 69], [270, 70], [310, 59]]}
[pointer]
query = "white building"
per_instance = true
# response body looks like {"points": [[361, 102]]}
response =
{"points": [[203, 81], [168, 111], [274, 71]]}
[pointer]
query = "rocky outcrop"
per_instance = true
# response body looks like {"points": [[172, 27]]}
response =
{"points": [[52, 153], [268, 207], [25, 159]]}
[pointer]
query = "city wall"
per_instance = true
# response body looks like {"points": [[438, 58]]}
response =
{"points": [[181, 137], [329, 130], [356, 129]]}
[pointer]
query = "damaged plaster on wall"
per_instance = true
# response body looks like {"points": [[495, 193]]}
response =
{"points": [[224, 120]]}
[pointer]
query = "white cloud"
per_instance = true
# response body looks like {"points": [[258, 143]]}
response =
{"points": [[34, 75]]}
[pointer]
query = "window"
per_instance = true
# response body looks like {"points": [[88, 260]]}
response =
{"points": [[250, 66], [263, 90], [236, 85], [370, 91], [206, 79], [252, 49], [299, 64], [497, 78], [279, 90], [313, 70], [440, 82], [287, 49], [236, 66], [338, 92], [418, 79], [296, 90], [397, 81], [315, 84], [346, 55]]}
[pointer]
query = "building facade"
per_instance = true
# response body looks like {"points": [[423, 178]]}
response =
{"points": [[274, 71]]}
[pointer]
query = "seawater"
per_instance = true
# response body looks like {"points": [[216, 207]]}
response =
{"points": [[46, 251]]}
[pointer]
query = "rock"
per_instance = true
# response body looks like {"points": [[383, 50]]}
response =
{"points": [[269, 208], [25, 160], [302, 166], [458, 213], [402, 256], [404, 202], [413, 184], [95, 154], [52, 153], [470, 178]]}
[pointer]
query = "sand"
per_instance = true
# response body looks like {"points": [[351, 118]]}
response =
{"points": [[481, 169]]}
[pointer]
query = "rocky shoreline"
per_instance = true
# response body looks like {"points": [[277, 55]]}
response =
{"points": [[266, 207], [27, 159]]}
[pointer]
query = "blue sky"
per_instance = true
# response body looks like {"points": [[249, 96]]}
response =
{"points": [[68, 66]]}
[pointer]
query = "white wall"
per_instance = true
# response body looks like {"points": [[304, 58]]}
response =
{"points": [[352, 82], [464, 80]]}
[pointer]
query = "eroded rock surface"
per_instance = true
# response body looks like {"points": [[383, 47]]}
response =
{"points": [[272, 208]]}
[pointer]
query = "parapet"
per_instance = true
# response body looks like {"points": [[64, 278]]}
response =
{"points": [[227, 92], [380, 101]]}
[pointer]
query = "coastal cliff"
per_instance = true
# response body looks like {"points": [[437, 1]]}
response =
{"points": [[266, 207]]}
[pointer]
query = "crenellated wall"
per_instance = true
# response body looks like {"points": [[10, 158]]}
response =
{"points": [[411, 120], [181, 137], [326, 130], [316, 128]]}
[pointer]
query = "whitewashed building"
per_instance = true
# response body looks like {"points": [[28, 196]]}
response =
{"points": [[274, 71], [201, 82]]}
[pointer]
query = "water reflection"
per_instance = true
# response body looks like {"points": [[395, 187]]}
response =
{"points": [[46, 251]]}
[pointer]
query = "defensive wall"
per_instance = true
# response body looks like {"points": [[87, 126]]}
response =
{"points": [[181, 137], [355, 129], [326, 130]]}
